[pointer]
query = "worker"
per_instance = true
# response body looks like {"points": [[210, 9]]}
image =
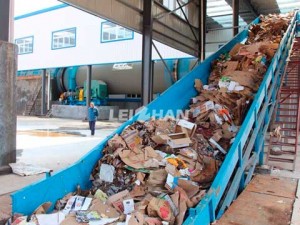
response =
{"points": [[92, 117]]}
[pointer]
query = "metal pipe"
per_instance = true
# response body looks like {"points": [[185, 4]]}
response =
{"points": [[147, 52], [202, 28], [43, 99], [235, 14]]}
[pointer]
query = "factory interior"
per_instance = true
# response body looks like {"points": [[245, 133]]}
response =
{"points": [[149, 112]]}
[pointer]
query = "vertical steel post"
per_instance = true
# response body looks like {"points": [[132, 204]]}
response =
{"points": [[147, 52], [43, 99], [8, 70], [49, 90], [235, 14], [202, 28], [4, 19], [88, 85]]}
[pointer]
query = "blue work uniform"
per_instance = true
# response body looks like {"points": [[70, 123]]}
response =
{"points": [[92, 117]]}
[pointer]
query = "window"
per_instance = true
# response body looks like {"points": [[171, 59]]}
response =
{"points": [[64, 38], [25, 45], [114, 32], [173, 4]]}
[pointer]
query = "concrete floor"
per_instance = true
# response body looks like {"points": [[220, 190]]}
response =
{"points": [[52, 143]]}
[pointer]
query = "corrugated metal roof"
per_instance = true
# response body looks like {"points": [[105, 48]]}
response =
{"points": [[220, 11]]}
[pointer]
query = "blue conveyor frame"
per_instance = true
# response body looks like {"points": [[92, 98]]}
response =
{"points": [[237, 168]]}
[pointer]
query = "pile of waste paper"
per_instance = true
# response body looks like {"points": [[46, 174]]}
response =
{"points": [[155, 170]]}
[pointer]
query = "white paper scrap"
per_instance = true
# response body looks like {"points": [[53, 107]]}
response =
{"points": [[50, 219], [69, 205], [86, 204], [107, 173], [103, 221], [128, 206], [79, 203], [218, 146]]}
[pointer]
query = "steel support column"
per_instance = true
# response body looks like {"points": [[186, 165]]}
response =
{"points": [[147, 77], [8, 70], [202, 28], [43, 98], [235, 14], [88, 85], [48, 90], [4, 19]]}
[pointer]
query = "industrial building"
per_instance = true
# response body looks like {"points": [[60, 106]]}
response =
{"points": [[134, 112]]}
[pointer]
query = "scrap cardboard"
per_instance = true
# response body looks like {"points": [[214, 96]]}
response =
{"points": [[71, 220], [103, 209], [198, 85], [42, 209], [119, 196], [203, 108], [230, 67], [157, 177], [186, 127], [189, 152], [179, 140], [130, 158], [132, 139], [161, 208], [171, 203], [191, 188]]}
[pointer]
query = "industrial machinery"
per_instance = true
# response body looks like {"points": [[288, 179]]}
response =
{"points": [[113, 79]]}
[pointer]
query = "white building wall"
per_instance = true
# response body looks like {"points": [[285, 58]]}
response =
{"points": [[216, 38], [88, 50]]}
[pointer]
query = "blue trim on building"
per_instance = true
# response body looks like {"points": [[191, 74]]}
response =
{"points": [[73, 46], [32, 44], [41, 11], [123, 39]]}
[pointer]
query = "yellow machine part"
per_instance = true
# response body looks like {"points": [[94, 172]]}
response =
{"points": [[81, 95]]}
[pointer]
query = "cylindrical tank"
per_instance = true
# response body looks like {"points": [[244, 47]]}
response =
{"points": [[125, 78]]}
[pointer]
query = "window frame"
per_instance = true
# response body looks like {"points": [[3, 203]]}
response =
{"points": [[117, 39], [32, 37], [57, 31]]}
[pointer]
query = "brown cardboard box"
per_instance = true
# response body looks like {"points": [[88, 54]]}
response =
{"points": [[186, 127], [132, 139], [179, 140]]}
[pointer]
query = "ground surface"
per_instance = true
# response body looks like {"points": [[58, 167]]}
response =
{"points": [[52, 143]]}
